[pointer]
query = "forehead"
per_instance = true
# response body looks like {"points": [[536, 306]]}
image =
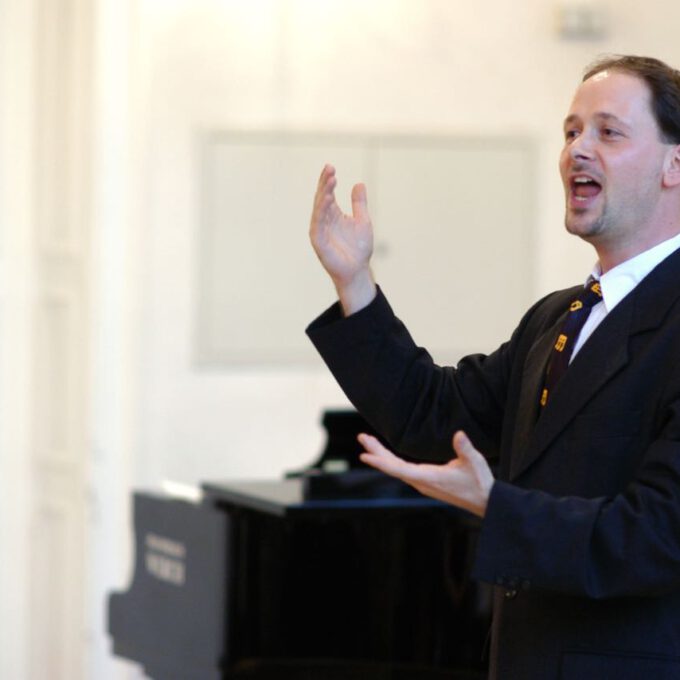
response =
{"points": [[614, 93]]}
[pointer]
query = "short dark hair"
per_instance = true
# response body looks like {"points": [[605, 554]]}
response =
{"points": [[663, 82]]}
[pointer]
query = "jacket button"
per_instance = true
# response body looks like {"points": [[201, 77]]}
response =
{"points": [[510, 594]]}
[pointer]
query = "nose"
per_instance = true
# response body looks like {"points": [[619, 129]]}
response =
{"points": [[581, 148]]}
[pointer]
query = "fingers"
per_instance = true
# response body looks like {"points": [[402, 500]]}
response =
{"points": [[328, 173], [475, 461], [378, 457], [464, 482], [360, 203], [372, 445], [327, 182], [324, 196], [463, 446]]}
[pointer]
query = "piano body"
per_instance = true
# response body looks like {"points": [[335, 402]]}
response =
{"points": [[322, 575]]}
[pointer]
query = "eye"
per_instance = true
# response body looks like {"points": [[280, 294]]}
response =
{"points": [[610, 132], [570, 134]]}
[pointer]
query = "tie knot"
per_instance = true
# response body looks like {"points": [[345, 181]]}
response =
{"points": [[588, 297]]}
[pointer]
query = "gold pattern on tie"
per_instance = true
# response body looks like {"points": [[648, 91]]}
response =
{"points": [[578, 312]]}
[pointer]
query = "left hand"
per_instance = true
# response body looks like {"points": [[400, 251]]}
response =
{"points": [[465, 481]]}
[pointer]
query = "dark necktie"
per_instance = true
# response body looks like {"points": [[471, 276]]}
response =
{"points": [[564, 345]]}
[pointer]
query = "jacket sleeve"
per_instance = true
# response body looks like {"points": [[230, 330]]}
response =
{"points": [[414, 403], [624, 545]]}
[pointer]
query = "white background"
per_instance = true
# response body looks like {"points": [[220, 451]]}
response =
{"points": [[156, 75]]}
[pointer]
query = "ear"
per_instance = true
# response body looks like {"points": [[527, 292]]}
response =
{"points": [[671, 174]]}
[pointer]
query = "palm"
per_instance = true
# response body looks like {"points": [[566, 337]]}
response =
{"points": [[464, 481], [343, 243], [435, 480]]}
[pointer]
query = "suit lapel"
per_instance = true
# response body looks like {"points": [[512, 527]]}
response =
{"points": [[603, 355], [532, 384]]}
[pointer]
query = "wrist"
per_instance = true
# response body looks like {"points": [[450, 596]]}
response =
{"points": [[483, 500], [356, 293]]}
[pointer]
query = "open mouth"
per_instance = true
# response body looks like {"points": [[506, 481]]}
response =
{"points": [[584, 188]]}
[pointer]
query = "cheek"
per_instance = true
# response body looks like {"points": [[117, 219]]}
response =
{"points": [[563, 164], [639, 168]]}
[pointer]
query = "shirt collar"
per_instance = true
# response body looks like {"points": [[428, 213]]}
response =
{"points": [[619, 281]]}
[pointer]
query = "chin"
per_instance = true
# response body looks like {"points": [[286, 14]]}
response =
{"points": [[585, 227]]}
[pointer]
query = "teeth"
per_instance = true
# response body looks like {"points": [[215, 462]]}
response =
{"points": [[582, 180]]}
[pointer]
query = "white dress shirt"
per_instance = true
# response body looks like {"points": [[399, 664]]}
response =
{"points": [[620, 281]]}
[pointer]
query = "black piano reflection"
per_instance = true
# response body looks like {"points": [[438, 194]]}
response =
{"points": [[336, 572]]}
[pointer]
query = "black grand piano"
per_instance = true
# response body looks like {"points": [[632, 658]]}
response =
{"points": [[333, 573]]}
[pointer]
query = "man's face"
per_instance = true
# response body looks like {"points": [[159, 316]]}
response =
{"points": [[612, 162]]}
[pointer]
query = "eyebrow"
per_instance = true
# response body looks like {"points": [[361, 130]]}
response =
{"points": [[601, 115]]}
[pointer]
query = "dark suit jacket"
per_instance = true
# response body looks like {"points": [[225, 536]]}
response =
{"points": [[582, 532]]}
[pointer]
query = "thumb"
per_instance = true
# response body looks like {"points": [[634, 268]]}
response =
{"points": [[359, 202], [463, 446]]}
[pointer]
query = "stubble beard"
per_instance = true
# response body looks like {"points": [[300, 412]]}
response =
{"points": [[578, 224]]}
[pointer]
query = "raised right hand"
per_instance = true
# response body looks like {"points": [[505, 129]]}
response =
{"points": [[344, 243]]}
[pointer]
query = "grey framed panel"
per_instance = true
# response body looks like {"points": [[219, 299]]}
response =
{"points": [[454, 231], [445, 210]]}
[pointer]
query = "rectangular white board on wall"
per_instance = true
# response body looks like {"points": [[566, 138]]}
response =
{"points": [[453, 222]]}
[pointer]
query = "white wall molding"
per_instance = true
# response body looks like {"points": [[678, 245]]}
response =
{"points": [[17, 291], [45, 144]]}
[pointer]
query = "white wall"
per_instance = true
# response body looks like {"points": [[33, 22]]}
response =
{"points": [[386, 66], [16, 326], [44, 325]]}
